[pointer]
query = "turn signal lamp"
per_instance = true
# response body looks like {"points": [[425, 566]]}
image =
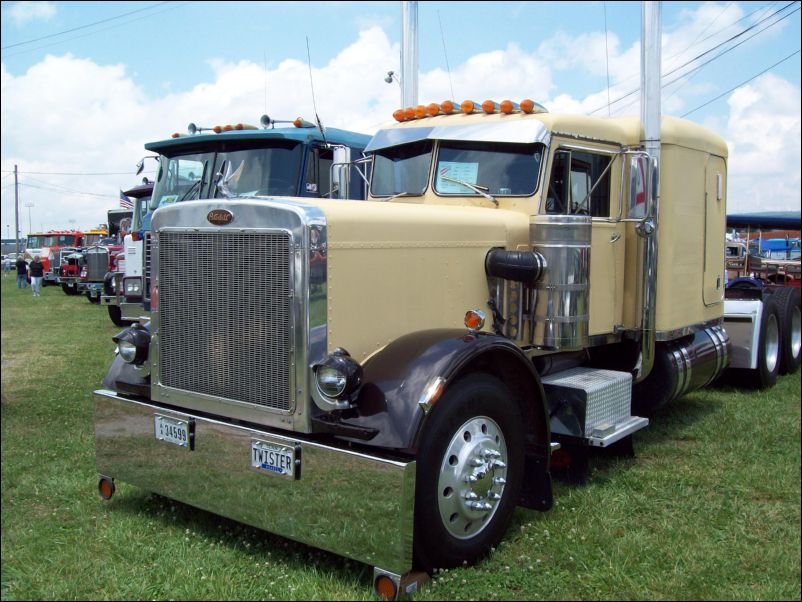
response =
{"points": [[475, 319], [467, 106], [489, 106]]}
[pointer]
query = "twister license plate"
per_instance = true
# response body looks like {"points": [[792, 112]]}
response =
{"points": [[275, 458], [173, 430]]}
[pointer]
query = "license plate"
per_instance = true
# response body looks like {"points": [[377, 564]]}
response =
{"points": [[275, 458], [172, 430]]}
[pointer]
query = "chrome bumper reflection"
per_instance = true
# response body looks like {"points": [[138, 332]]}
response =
{"points": [[352, 504]]}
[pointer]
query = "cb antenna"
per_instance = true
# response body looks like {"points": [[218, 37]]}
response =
{"points": [[312, 86]]}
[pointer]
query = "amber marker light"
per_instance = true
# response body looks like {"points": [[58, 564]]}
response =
{"points": [[527, 106], [474, 319], [489, 106], [409, 113], [507, 107], [398, 115], [176, 135], [433, 110], [467, 106], [420, 112], [228, 128], [447, 107], [217, 129], [385, 587]]}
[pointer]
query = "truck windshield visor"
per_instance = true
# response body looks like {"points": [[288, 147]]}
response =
{"points": [[496, 168], [402, 169], [220, 172]]}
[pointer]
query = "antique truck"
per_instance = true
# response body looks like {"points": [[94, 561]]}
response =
{"points": [[100, 259], [232, 160], [72, 263], [517, 281], [52, 247], [122, 288]]}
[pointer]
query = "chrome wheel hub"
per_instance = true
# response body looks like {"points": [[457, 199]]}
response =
{"points": [[772, 343], [472, 477]]}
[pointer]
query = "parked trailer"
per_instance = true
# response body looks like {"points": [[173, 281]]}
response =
{"points": [[500, 294]]}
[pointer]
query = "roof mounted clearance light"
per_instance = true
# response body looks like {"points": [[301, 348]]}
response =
{"points": [[468, 107], [507, 107], [399, 115], [433, 110], [530, 106], [176, 135], [245, 126], [420, 112], [448, 107], [409, 113], [303, 123], [217, 129], [490, 106]]}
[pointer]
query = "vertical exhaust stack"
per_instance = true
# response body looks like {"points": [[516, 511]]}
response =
{"points": [[409, 54], [650, 117]]}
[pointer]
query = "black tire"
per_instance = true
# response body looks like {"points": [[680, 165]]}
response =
{"points": [[474, 431], [788, 304], [69, 289], [93, 300], [116, 315], [768, 354]]}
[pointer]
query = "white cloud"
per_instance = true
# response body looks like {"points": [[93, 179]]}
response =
{"points": [[22, 12], [68, 114]]}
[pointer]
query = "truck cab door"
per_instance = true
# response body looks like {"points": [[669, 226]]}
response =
{"points": [[587, 181]]}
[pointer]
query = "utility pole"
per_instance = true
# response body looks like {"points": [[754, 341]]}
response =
{"points": [[16, 209], [29, 204]]}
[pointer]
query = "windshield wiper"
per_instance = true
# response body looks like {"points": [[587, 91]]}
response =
{"points": [[477, 189], [395, 196], [188, 192]]}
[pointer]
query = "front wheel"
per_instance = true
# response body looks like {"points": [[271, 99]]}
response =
{"points": [[469, 475], [69, 289], [94, 299]]}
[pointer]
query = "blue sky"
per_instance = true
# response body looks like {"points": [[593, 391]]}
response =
{"points": [[86, 84]]}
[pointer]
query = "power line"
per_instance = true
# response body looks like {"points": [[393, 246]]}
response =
{"points": [[742, 83], [57, 173], [636, 90], [53, 35], [96, 31]]}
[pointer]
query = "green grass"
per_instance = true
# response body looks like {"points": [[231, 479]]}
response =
{"points": [[709, 508]]}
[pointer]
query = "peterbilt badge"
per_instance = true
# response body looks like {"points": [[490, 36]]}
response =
{"points": [[220, 217]]}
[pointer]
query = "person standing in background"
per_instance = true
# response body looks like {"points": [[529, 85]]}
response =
{"points": [[37, 275], [6, 266], [22, 273]]}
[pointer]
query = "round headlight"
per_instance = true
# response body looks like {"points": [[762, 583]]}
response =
{"points": [[338, 376], [330, 381], [127, 351]]}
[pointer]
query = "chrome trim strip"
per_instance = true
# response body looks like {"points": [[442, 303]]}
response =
{"points": [[669, 335], [325, 507]]}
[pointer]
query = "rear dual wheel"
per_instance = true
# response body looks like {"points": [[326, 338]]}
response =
{"points": [[469, 474], [787, 300]]}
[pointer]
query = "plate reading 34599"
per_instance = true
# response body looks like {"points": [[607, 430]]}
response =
{"points": [[273, 458], [172, 430]]}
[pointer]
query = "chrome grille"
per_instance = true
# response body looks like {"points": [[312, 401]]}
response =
{"points": [[225, 315], [146, 263], [97, 264]]}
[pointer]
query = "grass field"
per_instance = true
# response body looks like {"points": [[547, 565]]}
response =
{"points": [[708, 509]]}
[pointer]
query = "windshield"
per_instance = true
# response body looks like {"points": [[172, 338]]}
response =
{"points": [[401, 169], [34, 242], [60, 240], [242, 171], [92, 239], [496, 168]]}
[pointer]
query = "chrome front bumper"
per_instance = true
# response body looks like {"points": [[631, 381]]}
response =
{"points": [[352, 504]]}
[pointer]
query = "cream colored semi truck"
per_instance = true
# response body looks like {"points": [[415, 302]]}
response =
{"points": [[387, 379]]}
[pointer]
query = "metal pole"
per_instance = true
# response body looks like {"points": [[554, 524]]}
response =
{"points": [[16, 209], [409, 54], [651, 40]]}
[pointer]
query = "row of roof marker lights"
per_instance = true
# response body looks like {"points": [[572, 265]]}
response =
{"points": [[266, 122], [448, 107]]}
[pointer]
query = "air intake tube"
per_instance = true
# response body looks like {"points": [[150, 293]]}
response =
{"points": [[518, 266]]}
